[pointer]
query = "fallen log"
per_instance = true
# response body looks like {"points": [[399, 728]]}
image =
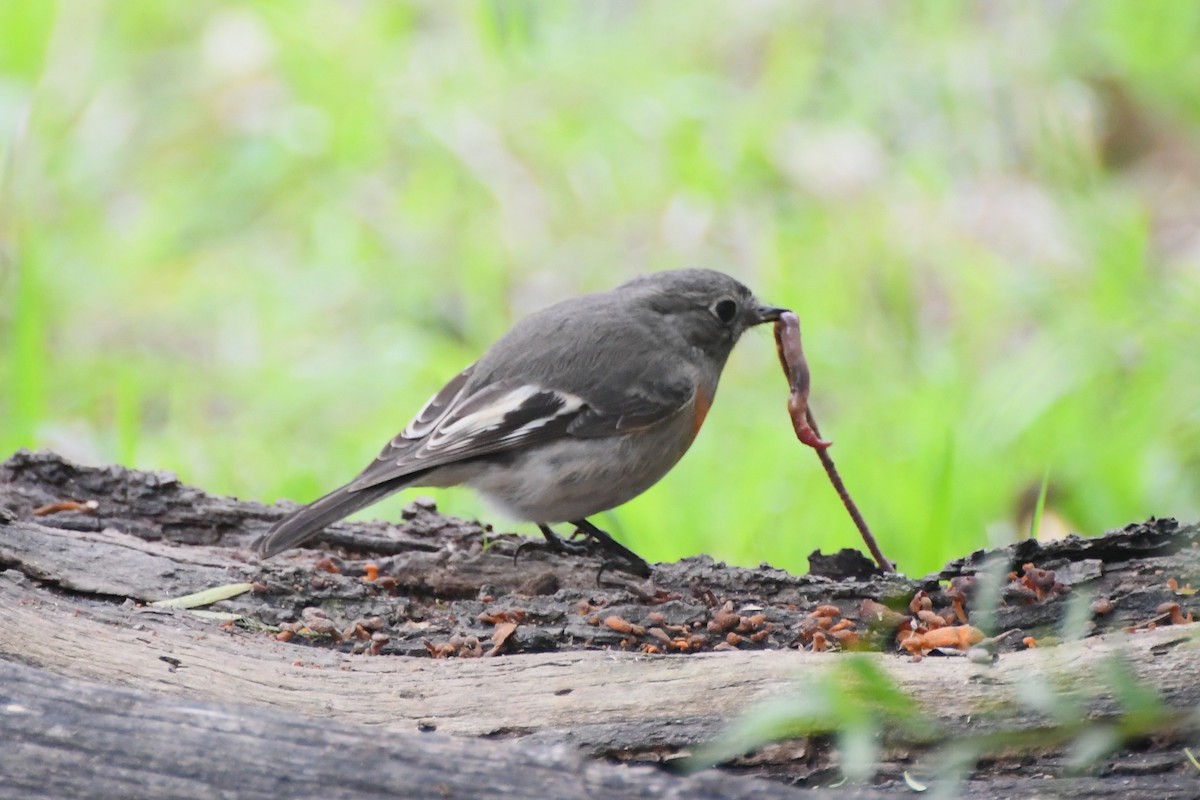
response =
{"points": [[78, 580]]}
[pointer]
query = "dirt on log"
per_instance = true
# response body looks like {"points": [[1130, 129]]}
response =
{"points": [[343, 667]]}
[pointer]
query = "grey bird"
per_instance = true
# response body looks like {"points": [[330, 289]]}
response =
{"points": [[579, 408]]}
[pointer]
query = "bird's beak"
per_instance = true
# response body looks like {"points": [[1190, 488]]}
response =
{"points": [[768, 314]]}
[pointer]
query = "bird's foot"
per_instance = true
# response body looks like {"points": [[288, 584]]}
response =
{"points": [[622, 557], [555, 544], [596, 541]]}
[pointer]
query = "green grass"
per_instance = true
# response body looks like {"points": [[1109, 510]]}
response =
{"points": [[865, 711], [245, 241]]}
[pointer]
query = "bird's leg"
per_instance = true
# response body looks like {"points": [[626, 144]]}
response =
{"points": [[554, 543], [624, 558], [628, 560], [558, 544]]}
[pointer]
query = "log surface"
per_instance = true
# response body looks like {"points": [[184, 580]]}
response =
{"points": [[76, 584], [75, 739]]}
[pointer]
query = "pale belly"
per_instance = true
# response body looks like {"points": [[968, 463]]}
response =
{"points": [[575, 478]]}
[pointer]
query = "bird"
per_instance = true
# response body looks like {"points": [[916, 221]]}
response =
{"points": [[577, 409]]}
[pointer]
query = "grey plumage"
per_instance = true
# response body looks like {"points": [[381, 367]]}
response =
{"points": [[578, 408]]}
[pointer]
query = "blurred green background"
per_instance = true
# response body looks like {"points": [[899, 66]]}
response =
{"points": [[245, 241]]}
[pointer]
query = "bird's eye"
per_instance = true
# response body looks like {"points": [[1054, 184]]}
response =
{"points": [[725, 310]]}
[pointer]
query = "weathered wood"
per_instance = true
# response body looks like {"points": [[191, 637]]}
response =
{"points": [[72, 594], [228, 710], [606, 702], [153, 538], [73, 739]]}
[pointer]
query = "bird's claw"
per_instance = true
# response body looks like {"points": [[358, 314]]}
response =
{"points": [[596, 541]]}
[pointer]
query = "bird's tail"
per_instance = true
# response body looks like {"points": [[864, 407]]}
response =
{"points": [[310, 520]]}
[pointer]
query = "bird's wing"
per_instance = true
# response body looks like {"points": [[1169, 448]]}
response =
{"points": [[629, 409], [456, 426]]}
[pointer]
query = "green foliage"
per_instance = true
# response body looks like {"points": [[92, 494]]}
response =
{"points": [[857, 703], [864, 709], [245, 241], [1086, 712]]}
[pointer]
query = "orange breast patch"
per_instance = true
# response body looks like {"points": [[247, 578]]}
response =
{"points": [[700, 407]]}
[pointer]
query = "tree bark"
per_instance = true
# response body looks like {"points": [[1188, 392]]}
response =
{"points": [[193, 706]]}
